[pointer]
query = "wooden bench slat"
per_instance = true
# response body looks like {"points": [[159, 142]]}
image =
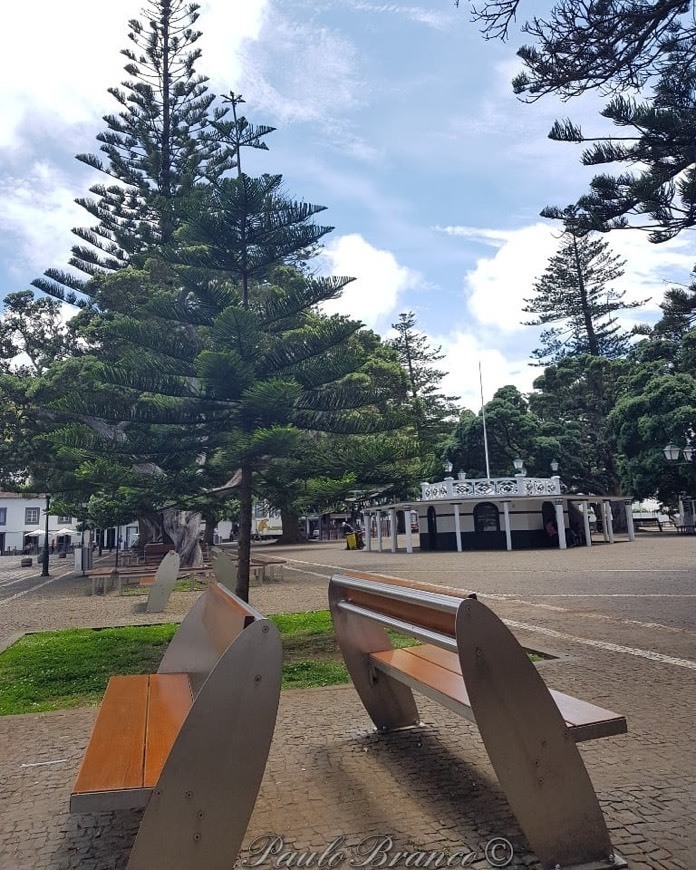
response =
{"points": [[432, 666], [168, 705], [115, 754], [442, 680]]}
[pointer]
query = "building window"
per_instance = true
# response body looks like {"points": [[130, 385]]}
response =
{"points": [[31, 516], [64, 521], [486, 517], [3, 516]]}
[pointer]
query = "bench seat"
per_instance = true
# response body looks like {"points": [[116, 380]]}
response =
{"points": [[138, 722], [437, 673]]}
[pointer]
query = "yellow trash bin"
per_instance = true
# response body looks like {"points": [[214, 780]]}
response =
{"points": [[351, 542]]}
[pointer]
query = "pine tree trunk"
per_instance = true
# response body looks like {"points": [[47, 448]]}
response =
{"points": [[291, 526], [209, 531], [244, 543], [183, 528]]}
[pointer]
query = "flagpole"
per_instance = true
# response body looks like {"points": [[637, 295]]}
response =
{"points": [[483, 415]]}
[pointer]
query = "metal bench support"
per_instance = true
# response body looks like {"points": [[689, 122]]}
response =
{"points": [[532, 751], [199, 811]]}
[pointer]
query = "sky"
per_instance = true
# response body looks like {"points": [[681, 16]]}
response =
{"points": [[398, 117]]}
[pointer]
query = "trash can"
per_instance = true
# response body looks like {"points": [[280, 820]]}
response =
{"points": [[351, 542]]}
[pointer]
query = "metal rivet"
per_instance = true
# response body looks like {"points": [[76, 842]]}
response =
{"points": [[257, 678], [265, 629], [540, 781], [196, 837], [201, 814], [479, 651], [188, 794]]}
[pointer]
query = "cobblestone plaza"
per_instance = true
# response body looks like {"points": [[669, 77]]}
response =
{"points": [[620, 619]]}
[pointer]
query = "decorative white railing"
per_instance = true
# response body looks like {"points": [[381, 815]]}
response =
{"points": [[508, 487]]}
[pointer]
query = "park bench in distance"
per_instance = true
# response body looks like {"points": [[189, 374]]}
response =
{"points": [[189, 743], [472, 664], [226, 571], [160, 584]]}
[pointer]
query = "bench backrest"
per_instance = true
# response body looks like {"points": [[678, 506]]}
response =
{"points": [[212, 624], [165, 578], [425, 612]]}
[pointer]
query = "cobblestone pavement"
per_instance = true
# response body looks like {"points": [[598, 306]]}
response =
{"points": [[621, 616]]}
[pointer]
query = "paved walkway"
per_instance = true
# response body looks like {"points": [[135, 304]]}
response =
{"points": [[622, 616]]}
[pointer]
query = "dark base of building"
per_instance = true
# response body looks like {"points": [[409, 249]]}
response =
{"points": [[532, 539]]}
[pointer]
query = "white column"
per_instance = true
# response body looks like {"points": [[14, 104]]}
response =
{"points": [[392, 523], [378, 514], [605, 528], [629, 521], [457, 527], [609, 524], [367, 531], [560, 525], [586, 523], [407, 525], [506, 520]]}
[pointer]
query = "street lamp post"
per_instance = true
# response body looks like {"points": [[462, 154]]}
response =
{"points": [[672, 452], [44, 567]]}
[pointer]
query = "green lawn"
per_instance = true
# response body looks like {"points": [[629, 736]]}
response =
{"points": [[55, 670]]}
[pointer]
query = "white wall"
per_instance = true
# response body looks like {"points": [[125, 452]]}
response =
{"points": [[15, 526]]}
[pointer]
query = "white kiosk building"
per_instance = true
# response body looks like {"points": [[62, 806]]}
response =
{"points": [[501, 513]]}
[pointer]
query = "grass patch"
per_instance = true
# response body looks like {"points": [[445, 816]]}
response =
{"points": [[55, 670], [311, 656]]}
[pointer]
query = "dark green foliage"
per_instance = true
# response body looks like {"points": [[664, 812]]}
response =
{"points": [[575, 291], [656, 137], [574, 399], [513, 431]]}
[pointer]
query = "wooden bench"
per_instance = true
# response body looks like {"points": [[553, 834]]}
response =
{"points": [[189, 743], [471, 663], [160, 585], [272, 566], [224, 567]]}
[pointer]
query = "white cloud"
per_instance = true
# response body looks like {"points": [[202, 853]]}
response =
{"points": [[374, 296], [463, 352], [227, 28], [497, 286], [419, 14], [305, 73], [38, 212], [56, 73]]}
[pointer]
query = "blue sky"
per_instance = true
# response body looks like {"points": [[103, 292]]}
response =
{"points": [[399, 118]]}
